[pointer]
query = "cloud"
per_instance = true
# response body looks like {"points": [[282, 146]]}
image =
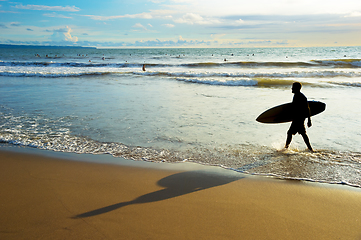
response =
{"points": [[62, 30], [15, 24], [140, 15], [63, 34], [180, 42], [150, 43], [56, 15], [344, 25], [138, 25], [190, 18], [275, 7], [29, 29], [106, 18], [3, 26], [168, 25], [239, 21], [267, 43], [270, 26], [354, 14], [68, 36], [169, 43], [22, 42], [217, 36], [48, 8], [163, 14], [2, 11], [193, 18]]}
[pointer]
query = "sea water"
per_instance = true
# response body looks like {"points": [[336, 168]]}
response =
{"points": [[196, 105]]}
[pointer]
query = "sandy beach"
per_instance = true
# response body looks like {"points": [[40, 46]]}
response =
{"points": [[50, 198]]}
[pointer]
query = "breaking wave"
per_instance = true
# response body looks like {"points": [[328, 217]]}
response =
{"points": [[56, 73], [333, 63]]}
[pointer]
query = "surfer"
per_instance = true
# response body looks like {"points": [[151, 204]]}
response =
{"points": [[301, 110]]}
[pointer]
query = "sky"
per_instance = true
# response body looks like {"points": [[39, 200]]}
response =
{"points": [[181, 23]]}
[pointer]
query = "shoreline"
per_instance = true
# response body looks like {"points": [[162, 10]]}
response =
{"points": [[46, 197], [108, 159]]}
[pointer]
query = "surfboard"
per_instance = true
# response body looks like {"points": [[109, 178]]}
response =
{"points": [[283, 113]]}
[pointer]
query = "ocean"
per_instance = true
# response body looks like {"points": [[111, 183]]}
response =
{"points": [[196, 105]]}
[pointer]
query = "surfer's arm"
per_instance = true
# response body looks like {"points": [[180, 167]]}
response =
{"points": [[309, 123]]}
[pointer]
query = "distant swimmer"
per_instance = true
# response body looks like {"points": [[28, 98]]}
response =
{"points": [[144, 67], [300, 109]]}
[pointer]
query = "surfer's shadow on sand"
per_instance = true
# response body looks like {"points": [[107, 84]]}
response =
{"points": [[174, 185]]}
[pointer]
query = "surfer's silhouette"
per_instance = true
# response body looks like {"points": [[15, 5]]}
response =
{"points": [[301, 110]]}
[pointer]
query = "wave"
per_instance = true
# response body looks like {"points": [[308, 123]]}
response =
{"points": [[339, 63], [242, 82], [346, 84], [200, 78], [334, 63], [292, 74], [255, 82], [51, 75], [210, 78], [330, 63], [70, 64]]}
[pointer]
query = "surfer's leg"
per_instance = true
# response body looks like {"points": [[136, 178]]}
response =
{"points": [[307, 141], [291, 131], [289, 139]]}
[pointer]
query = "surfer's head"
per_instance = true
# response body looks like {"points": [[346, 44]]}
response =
{"points": [[296, 87]]}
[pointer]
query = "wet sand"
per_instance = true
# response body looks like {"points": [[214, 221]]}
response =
{"points": [[49, 198]]}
